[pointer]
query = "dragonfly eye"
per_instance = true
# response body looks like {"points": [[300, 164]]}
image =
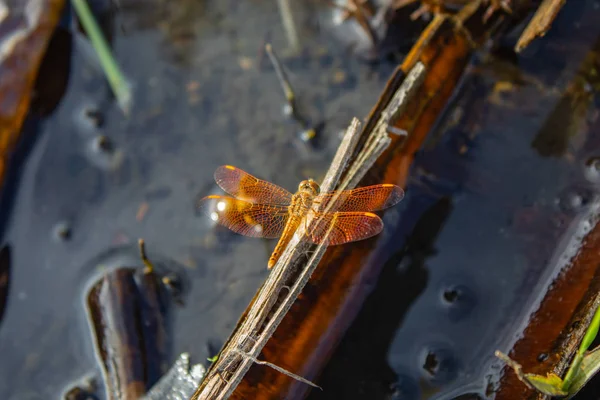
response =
{"points": [[310, 186], [303, 186], [314, 186]]}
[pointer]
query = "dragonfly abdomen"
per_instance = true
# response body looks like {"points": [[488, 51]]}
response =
{"points": [[286, 236]]}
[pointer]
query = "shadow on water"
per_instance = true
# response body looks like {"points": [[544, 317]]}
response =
{"points": [[17, 161], [569, 114], [360, 367], [49, 89]]}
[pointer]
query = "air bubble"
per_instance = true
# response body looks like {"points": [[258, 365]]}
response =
{"points": [[103, 144], [459, 301], [287, 110], [94, 116], [103, 153], [209, 207], [585, 227], [592, 170], [62, 231], [88, 119], [451, 295], [574, 199], [438, 364]]}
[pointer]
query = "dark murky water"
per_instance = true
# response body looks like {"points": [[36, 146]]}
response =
{"points": [[482, 218]]}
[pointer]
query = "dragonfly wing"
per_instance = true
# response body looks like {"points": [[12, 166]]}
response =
{"points": [[245, 218], [368, 198], [343, 227], [244, 186]]}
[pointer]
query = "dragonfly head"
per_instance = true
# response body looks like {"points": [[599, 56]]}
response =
{"points": [[309, 186]]}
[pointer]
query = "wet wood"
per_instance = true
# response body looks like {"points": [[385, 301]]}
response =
{"points": [[127, 313], [554, 331], [26, 27], [540, 23]]}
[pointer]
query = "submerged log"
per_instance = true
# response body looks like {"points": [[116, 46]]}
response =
{"points": [[127, 311]]}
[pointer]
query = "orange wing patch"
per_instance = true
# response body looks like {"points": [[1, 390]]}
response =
{"points": [[368, 198], [248, 219], [345, 227], [244, 186]]}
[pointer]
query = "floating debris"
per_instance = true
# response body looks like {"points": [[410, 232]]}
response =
{"points": [[141, 212], [179, 382]]}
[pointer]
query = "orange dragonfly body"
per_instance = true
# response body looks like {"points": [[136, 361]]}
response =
{"points": [[263, 209]]}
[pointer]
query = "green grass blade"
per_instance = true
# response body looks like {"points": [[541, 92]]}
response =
{"points": [[590, 365], [116, 79], [586, 342]]}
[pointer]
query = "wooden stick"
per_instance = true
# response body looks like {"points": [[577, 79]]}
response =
{"points": [[540, 23]]}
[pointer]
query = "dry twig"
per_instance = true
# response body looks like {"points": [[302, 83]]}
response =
{"points": [[540, 23]]}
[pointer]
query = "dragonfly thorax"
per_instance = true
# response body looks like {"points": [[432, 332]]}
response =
{"points": [[303, 199], [309, 186]]}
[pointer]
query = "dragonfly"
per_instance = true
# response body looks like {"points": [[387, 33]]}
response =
{"points": [[262, 209]]}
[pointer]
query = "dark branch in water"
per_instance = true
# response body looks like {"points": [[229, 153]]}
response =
{"points": [[289, 94], [148, 267]]}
